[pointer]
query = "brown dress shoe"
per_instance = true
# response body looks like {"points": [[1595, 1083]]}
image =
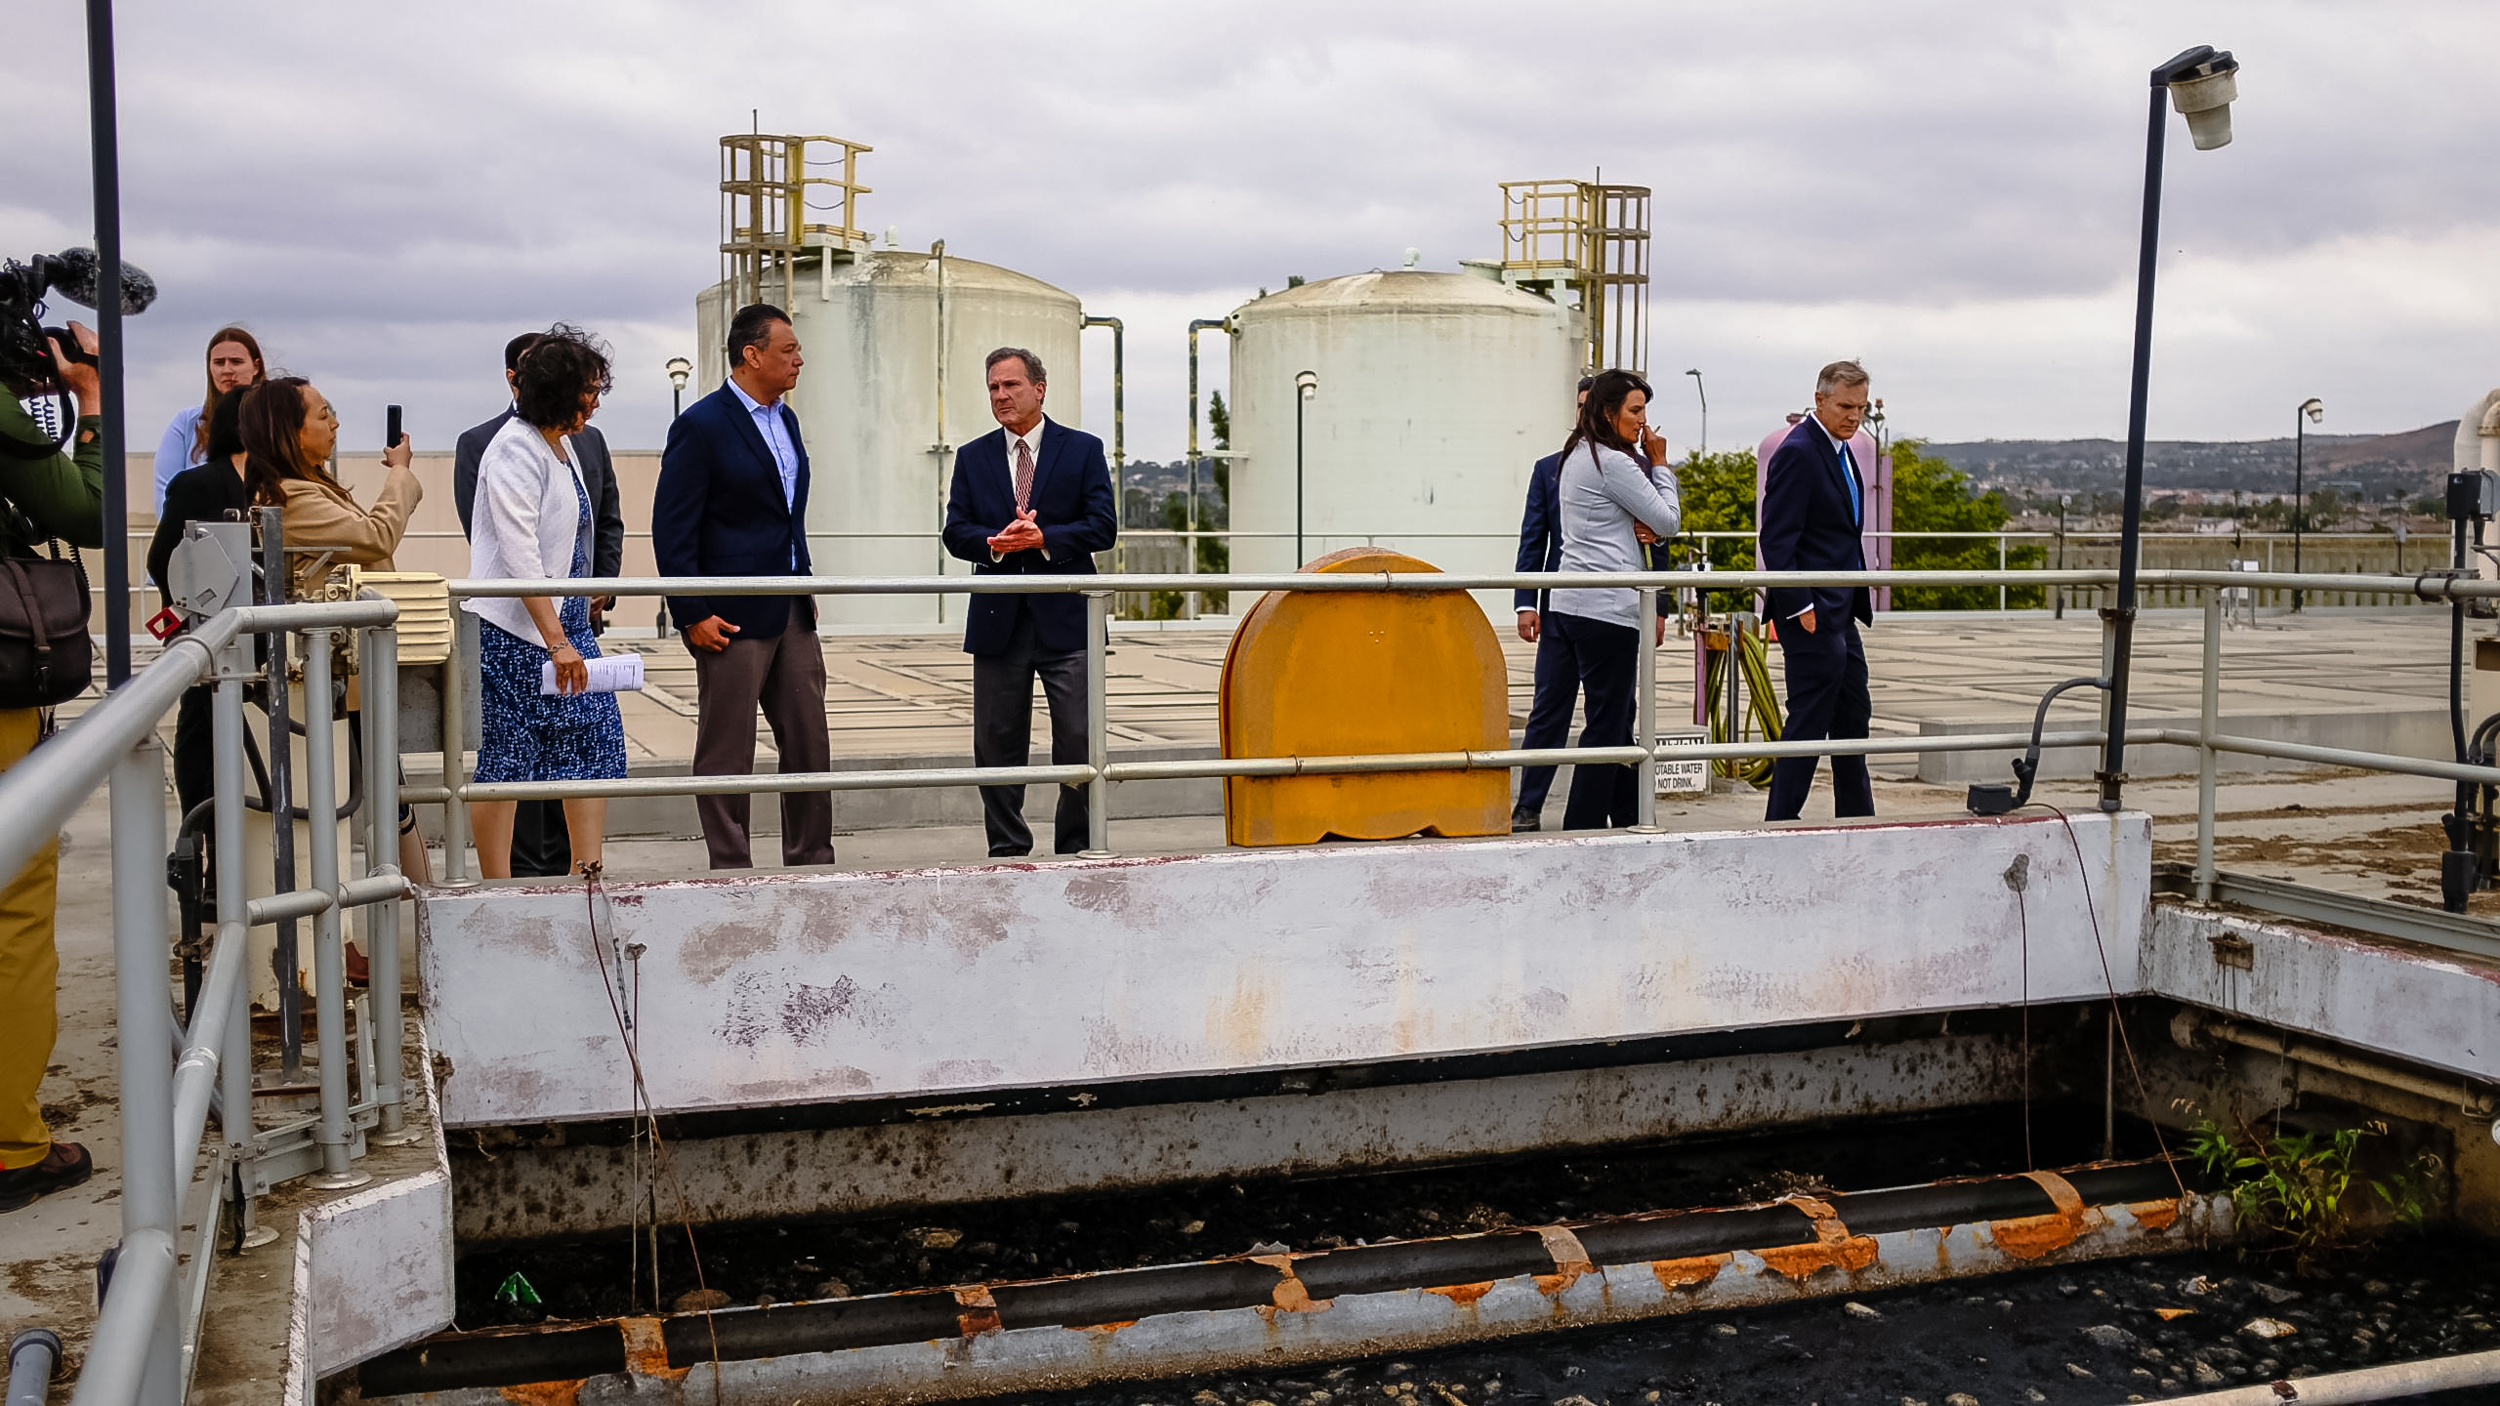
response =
{"points": [[65, 1166]]}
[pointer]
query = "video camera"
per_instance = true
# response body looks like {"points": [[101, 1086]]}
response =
{"points": [[26, 365]]}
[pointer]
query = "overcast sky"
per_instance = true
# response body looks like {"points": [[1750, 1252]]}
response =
{"points": [[1949, 190]]}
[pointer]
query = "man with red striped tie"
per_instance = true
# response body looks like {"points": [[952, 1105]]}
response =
{"points": [[1031, 496]]}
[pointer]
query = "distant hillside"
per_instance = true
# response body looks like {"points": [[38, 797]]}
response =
{"points": [[2385, 466]]}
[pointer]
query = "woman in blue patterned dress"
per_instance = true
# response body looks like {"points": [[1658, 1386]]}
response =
{"points": [[533, 521]]}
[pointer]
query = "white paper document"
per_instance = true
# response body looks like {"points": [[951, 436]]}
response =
{"points": [[609, 673]]}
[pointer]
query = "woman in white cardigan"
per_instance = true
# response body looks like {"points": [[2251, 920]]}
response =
{"points": [[533, 522]]}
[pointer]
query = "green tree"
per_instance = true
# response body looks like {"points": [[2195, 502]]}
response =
{"points": [[1930, 495], [1717, 492]]}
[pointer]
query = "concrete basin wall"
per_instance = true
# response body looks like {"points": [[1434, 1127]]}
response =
{"points": [[808, 988]]}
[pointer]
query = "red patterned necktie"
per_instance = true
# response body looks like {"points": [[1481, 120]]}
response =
{"points": [[1024, 476]]}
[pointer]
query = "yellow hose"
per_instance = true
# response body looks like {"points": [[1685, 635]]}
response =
{"points": [[1754, 660]]}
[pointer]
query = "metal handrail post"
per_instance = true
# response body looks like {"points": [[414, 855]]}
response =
{"points": [[455, 729], [1646, 772], [2207, 760], [232, 950], [144, 994], [1098, 724], [329, 959], [2001, 566], [380, 686]]}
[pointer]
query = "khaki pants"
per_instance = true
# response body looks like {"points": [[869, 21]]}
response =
{"points": [[29, 971]]}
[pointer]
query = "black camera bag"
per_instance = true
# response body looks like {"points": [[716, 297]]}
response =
{"points": [[46, 654]]}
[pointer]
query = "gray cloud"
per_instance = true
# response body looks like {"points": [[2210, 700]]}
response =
{"points": [[1948, 188]]}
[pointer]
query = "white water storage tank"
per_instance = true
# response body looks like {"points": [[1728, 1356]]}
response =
{"points": [[1437, 392], [868, 404]]}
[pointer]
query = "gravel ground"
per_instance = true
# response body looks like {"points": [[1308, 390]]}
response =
{"points": [[2081, 1334]]}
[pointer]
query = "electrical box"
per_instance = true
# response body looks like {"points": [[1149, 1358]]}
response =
{"points": [[2473, 493]]}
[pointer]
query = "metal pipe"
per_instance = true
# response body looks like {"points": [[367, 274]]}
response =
{"points": [[130, 1358], [1189, 516], [2120, 618], [285, 966], [455, 730], [2472, 1099], [208, 1052], [329, 957], [767, 783], [381, 721], [2207, 763], [1097, 724], [33, 1355], [2333, 756], [286, 907], [2428, 588], [234, 1049], [1375, 1285], [1645, 772], [1119, 391], [143, 989], [2386, 1382]]}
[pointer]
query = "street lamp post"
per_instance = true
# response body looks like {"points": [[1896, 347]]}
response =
{"points": [[1306, 385], [2311, 412], [1701, 446], [678, 370], [2200, 82], [2062, 500]]}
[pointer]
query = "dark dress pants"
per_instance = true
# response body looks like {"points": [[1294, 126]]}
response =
{"points": [[195, 747], [785, 676], [1827, 698], [541, 847], [1549, 716], [1002, 735], [1605, 658]]}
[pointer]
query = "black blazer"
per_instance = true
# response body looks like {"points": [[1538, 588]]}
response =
{"points": [[1079, 516], [1540, 528], [1810, 521], [607, 513], [718, 511]]}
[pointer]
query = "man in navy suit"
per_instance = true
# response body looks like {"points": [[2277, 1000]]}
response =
{"points": [[732, 501], [1557, 681], [1034, 497], [1813, 518]]}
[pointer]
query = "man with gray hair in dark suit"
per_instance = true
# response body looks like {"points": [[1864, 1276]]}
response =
{"points": [[1030, 497]]}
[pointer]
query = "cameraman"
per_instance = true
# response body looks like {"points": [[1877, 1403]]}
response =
{"points": [[48, 494]]}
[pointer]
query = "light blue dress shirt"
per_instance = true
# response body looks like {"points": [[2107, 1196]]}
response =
{"points": [[776, 432]]}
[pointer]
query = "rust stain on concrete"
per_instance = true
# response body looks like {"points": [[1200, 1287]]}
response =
{"points": [[1106, 1329], [646, 1353], [980, 1311], [1689, 1273], [1462, 1294], [1833, 1248], [2032, 1237], [2155, 1215], [1291, 1295], [568, 1393]]}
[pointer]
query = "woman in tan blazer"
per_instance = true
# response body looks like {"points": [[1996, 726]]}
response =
{"points": [[289, 431]]}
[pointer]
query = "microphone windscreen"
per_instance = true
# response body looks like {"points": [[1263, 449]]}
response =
{"points": [[78, 274]]}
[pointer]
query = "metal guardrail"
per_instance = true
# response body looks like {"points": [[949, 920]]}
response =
{"points": [[145, 1333], [139, 1340]]}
